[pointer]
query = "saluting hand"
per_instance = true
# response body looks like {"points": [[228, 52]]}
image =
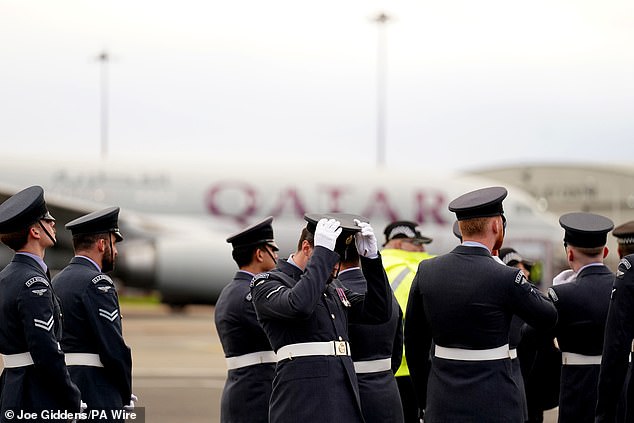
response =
{"points": [[326, 233], [366, 240]]}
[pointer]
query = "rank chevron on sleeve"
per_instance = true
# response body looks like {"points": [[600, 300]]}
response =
{"points": [[110, 315], [46, 325]]}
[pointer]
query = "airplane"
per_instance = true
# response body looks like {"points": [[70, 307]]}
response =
{"points": [[560, 188], [176, 214]]}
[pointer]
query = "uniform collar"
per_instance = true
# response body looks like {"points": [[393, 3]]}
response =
{"points": [[37, 258], [90, 260], [475, 244]]}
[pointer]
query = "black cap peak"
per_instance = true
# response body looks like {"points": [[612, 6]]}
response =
{"points": [[484, 202], [98, 222], [23, 209]]}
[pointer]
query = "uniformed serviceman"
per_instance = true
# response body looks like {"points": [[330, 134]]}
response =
{"points": [[306, 319], [250, 358], [376, 351], [403, 250], [98, 359], [615, 373], [625, 238], [463, 301], [35, 377], [582, 307]]}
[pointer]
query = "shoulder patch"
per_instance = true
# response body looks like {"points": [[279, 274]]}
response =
{"points": [[553, 295], [39, 292], [520, 278], [623, 267], [37, 279], [99, 278], [258, 279], [105, 289], [249, 297]]}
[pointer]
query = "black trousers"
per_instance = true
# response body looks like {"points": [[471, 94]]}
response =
{"points": [[408, 399]]}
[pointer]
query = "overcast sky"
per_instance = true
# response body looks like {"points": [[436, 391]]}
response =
{"points": [[469, 83]]}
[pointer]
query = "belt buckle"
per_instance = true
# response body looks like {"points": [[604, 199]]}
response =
{"points": [[341, 348]]}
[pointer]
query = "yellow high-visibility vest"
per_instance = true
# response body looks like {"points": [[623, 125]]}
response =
{"points": [[400, 267]]}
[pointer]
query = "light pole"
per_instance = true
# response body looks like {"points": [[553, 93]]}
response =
{"points": [[104, 58], [381, 64]]}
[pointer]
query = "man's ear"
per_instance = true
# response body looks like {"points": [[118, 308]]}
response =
{"points": [[258, 255], [495, 226], [101, 245], [306, 247]]}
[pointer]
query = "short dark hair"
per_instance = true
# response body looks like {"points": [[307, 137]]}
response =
{"points": [[306, 235], [588, 251], [16, 240], [351, 255], [86, 241], [626, 249], [244, 255]]}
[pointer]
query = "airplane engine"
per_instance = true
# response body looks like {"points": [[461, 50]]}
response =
{"points": [[184, 270]]}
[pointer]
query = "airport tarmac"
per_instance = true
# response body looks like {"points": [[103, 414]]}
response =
{"points": [[178, 364]]}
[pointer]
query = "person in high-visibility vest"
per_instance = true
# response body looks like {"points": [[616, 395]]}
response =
{"points": [[403, 250]]}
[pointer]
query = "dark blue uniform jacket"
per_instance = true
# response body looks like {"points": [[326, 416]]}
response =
{"points": [[465, 299], [92, 324], [380, 399], [30, 321], [246, 394], [302, 307], [582, 306]]}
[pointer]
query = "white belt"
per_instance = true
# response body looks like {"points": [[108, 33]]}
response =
{"points": [[250, 359], [373, 366], [83, 359], [462, 354], [313, 348], [572, 359], [17, 360]]}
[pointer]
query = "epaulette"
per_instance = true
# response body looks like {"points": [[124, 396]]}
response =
{"points": [[553, 295], [36, 279], [102, 277], [258, 279]]}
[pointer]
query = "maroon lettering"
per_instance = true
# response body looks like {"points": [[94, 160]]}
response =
{"points": [[428, 208], [244, 193], [289, 196], [379, 205], [333, 195]]}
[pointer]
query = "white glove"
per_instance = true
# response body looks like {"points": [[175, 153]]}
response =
{"points": [[82, 406], [327, 232], [366, 240], [564, 277], [133, 400]]}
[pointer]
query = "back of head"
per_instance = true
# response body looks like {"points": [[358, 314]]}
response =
{"points": [[474, 209], [625, 238], [586, 233]]}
